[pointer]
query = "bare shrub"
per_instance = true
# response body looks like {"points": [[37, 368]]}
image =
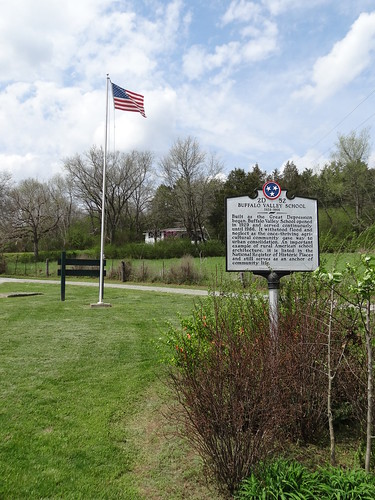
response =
{"points": [[303, 347], [184, 272], [223, 380], [142, 273], [125, 270], [302, 376], [242, 392]]}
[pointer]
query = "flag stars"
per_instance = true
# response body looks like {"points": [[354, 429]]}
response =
{"points": [[271, 190]]}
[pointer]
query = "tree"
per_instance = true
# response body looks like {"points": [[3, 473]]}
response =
{"points": [[275, 176], [291, 179], [5, 184], [139, 204], [62, 191], [125, 174], [352, 148], [351, 155], [190, 175], [32, 212], [238, 183]]}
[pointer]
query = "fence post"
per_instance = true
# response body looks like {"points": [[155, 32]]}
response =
{"points": [[47, 268], [63, 257], [123, 275]]}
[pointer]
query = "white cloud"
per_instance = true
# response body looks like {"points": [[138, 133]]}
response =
{"points": [[42, 123], [206, 69], [28, 165], [241, 11], [254, 44], [311, 159], [44, 39], [47, 43], [153, 133], [277, 7], [264, 44], [348, 58], [37, 39]]}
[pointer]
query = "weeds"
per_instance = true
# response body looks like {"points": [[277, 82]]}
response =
{"points": [[291, 480]]}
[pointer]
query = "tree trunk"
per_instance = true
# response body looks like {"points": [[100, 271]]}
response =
{"points": [[36, 248], [330, 380], [369, 388]]}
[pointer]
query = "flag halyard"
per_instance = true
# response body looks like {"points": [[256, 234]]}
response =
{"points": [[125, 100]]}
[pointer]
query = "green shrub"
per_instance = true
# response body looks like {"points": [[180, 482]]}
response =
{"points": [[290, 479], [366, 240], [166, 249], [28, 257], [3, 265]]}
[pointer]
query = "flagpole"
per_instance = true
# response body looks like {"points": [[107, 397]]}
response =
{"points": [[101, 277], [126, 101]]}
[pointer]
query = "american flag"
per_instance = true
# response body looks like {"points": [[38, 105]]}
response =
{"points": [[127, 100]]}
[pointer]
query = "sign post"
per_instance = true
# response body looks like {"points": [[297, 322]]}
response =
{"points": [[272, 235]]}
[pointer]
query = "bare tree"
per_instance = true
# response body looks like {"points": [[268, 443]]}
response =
{"points": [[125, 174], [5, 186], [139, 204], [190, 174], [62, 191], [32, 212]]}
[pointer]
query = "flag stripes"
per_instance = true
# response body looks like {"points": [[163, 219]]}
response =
{"points": [[125, 100]]}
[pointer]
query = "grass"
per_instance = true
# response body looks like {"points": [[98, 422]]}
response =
{"points": [[83, 404], [81, 398]]}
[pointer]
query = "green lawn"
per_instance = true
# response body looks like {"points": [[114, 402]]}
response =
{"points": [[82, 400]]}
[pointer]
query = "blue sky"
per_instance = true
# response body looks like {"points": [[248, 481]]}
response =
{"points": [[254, 81]]}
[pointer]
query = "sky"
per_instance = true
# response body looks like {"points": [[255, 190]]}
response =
{"points": [[261, 82]]}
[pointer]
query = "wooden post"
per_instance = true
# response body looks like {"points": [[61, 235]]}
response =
{"points": [[123, 275], [63, 259], [47, 268]]}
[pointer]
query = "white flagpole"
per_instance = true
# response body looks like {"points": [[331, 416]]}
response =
{"points": [[101, 277]]}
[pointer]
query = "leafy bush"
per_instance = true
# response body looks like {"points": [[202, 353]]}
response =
{"points": [[366, 240], [28, 257], [336, 230], [290, 479], [3, 265]]}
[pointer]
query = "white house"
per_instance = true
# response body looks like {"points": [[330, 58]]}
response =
{"points": [[163, 234]]}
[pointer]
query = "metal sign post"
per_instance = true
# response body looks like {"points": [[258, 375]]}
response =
{"points": [[273, 282]]}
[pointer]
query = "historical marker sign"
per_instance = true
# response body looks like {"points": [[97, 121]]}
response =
{"points": [[272, 232]]}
